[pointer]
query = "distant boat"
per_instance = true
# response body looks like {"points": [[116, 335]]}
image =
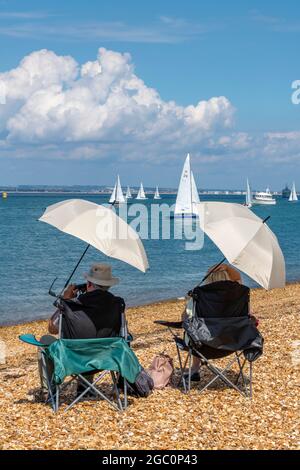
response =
{"points": [[128, 193], [187, 195], [286, 192], [156, 195], [264, 198], [117, 196], [248, 195], [141, 194], [293, 196], [4, 195]]}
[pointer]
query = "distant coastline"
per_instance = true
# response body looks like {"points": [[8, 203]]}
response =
{"points": [[108, 191]]}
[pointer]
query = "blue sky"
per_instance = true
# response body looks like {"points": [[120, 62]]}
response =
{"points": [[187, 52]]}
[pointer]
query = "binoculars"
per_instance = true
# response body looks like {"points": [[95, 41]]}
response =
{"points": [[81, 287]]}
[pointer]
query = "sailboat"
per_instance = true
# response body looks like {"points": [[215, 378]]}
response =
{"points": [[156, 195], [293, 196], [248, 195], [187, 195], [117, 196], [141, 194], [128, 193]]}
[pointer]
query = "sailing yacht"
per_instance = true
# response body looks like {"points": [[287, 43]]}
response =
{"points": [[187, 195], [248, 195], [117, 196], [141, 194], [128, 193], [264, 198], [156, 195], [293, 196]]}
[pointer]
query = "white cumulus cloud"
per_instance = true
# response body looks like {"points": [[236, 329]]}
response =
{"points": [[53, 101]]}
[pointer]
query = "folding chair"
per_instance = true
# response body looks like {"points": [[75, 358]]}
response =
{"points": [[76, 357], [220, 326]]}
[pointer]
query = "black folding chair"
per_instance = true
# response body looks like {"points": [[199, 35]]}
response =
{"points": [[220, 326]]}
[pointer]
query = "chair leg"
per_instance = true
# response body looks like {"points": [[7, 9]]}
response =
{"points": [[190, 368], [57, 398], [92, 387], [125, 394], [219, 374], [181, 369], [250, 378], [116, 390], [241, 373]]}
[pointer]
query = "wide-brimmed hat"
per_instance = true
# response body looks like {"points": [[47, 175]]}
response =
{"points": [[101, 275]]}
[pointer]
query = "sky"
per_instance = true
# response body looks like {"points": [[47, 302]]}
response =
{"points": [[89, 90]]}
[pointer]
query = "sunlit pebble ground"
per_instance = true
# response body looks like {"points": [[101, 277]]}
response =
{"points": [[218, 419]]}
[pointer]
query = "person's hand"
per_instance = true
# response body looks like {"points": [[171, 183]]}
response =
{"points": [[70, 292]]}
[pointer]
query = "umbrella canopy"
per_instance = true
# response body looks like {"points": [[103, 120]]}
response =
{"points": [[99, 227], [245, 240]]}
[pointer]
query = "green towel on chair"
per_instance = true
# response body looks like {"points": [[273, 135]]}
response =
{"points": [[78, 356]]}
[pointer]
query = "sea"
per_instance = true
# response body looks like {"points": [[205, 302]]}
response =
{"points": [[33, 254]]}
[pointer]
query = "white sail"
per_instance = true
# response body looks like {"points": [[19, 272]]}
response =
{"points": [[113, 195], [141, 194], [128, 193], [293, 196], [157, 195], [117, 196], [187, 195], [248, 195]]}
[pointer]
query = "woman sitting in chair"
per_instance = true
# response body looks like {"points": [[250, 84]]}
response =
{"points": [[223, 272]]}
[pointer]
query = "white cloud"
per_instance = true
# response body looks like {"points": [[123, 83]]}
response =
{"points": [[56, 108], [51, 100]]}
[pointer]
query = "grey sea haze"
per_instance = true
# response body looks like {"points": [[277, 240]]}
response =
{"points": [[34, 253]]}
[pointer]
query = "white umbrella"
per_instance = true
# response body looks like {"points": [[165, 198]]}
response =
{"points": [[245, 240], [99, 227]]}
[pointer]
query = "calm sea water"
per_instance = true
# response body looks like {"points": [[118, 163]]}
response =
{"points": [[33, 254]]}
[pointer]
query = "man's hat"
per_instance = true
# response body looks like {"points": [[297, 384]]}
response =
{"points": [[101, 275]]}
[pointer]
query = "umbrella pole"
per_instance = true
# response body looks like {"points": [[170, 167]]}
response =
{"points": [[74, 270], [67, 283]]}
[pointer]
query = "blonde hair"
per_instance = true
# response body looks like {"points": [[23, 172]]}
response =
{"points": [[217, 276]]}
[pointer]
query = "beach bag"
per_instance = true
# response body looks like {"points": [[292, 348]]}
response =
{"points": [[143, 384], [142, 387], [161, 370]]}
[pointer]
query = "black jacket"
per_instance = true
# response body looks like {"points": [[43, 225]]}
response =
{"points": [[95, 314]]}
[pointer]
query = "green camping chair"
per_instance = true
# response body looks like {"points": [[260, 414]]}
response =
{"points": [[76, 357]]}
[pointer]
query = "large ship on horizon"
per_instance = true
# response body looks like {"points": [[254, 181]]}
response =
{"points": [[286, 192]]}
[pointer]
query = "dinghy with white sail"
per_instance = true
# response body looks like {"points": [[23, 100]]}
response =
{"points": [[187, 195], [128, 193], [141, 194], [248, 195], [156, 195], [117, 196], [293, 196]]}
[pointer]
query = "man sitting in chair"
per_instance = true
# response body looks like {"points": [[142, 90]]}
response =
{"points": [[95, 313]]}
